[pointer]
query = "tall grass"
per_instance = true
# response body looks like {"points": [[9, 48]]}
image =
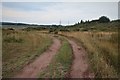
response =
{"points": [[20, 48], [102, 48]]}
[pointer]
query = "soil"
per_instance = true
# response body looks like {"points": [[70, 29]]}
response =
{"points": [[80, 67]]}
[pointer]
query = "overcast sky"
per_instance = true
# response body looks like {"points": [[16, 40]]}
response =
{"points": [[54, 12]]}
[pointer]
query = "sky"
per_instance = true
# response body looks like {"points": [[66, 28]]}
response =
{"points": [[60, 0], [54, 12]]}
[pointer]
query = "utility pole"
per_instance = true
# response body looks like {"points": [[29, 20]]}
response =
{"points": [[16, 23], [60, 23], [68, 22]]}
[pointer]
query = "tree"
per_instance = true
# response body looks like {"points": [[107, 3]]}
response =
{"points": [[104, 19], [81, 21]]}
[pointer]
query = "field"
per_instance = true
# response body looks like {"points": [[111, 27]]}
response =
{"points": [[52, 52], [102, 49], [60, 40], [20, 48]]}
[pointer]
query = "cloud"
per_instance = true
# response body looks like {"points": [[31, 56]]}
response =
{"points": [[60, 0], [52, 13]]}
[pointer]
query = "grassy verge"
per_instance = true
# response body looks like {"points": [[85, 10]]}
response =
{"points": [[102, 51], [20, 48], [61, 63]]}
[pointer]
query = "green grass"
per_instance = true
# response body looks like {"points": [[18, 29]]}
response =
{"points": [[61, 63], [20, 48], [102, 49]]}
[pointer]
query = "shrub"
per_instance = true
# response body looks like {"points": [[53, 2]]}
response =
{"points": [[104, 19], [13, 39], [55, 32]]}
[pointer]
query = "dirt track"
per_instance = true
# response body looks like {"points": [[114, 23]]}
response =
{"points": [[80, 67], [33, 69]]}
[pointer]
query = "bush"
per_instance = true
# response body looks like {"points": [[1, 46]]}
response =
{"points": [[76, 30], [55, 32], [104, 19], [11, 29], [50, 31], [13, 39]]}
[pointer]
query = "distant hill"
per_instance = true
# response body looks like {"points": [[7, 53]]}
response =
{"points": [[21, 25], [101, 24], [11, 23]]}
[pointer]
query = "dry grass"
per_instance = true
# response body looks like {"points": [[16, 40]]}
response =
{"points": [[102, 50], [20, 48]]}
